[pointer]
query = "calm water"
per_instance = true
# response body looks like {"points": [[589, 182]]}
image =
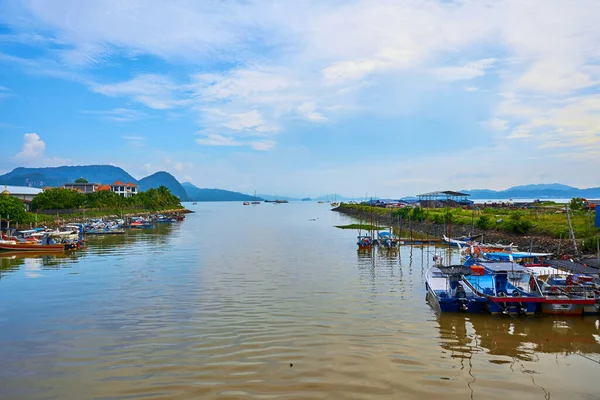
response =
{"points": [[263, 302]]}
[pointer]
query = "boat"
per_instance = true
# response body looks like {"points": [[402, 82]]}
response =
{"points": [[48, 245], [568, 294], [365, 242], [255, 201], [106, 231], [462, 242], [280, 201], [507, 287], [246, 203], [448, 293], [388, 240]]}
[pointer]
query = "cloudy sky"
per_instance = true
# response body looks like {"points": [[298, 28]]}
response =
{"points": [[298, 98]]}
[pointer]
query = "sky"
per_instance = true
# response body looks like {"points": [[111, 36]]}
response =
{"points": [[303, 98]]}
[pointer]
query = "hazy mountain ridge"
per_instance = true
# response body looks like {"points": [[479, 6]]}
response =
{"points": [[553, 190], [195, 193]]}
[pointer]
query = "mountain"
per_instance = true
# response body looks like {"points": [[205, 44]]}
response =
{"points": [[106, 174], [195, 193], [57, 176], [163, 178], [271, 197], [541, 191]]}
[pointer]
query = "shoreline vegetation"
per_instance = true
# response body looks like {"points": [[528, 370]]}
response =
{"points": [[58, 206], [541, 228]]}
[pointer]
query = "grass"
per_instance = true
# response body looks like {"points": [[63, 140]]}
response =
{"points": [[545, 219], [364, 227]]}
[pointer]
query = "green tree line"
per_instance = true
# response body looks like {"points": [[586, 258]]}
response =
{"points": [[152, 199]]}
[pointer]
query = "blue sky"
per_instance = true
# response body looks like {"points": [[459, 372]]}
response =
{"points": [[385, 98]]}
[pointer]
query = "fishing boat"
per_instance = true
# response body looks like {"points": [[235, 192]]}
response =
{"points": [[365, 242], [568, 294], [47, 245], [464, 241], [388, 240], [447, 292], [507, 287]]}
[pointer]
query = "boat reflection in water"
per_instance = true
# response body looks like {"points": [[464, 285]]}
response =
{"points": [[32, 262], [519, 339]]}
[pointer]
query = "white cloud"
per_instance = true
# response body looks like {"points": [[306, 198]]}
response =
{"points": [[33, 152], [464, 72], [212, 139], [118, 114], [135, 140], [154, 91], [33, 148]]}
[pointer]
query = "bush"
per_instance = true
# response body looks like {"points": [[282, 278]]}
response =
{"points": [[517, 224], [483, 222], [589, 243]]}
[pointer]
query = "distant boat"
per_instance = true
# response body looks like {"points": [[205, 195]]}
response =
{"points": [[246, 203], [320, 202], [255, 201], [281, 201]]}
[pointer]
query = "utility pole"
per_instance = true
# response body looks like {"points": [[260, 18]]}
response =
{"points": [[571, 231]]}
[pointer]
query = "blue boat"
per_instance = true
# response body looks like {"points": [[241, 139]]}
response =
{"points": [[388, 240], [508, 287], [448, 293]]}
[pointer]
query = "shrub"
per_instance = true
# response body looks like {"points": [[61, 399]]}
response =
{"points": [[483, 222]]}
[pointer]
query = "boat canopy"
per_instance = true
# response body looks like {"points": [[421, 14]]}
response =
{"points": [[505, 267]]}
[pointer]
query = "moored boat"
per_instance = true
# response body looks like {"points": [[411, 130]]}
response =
{"points": [[506, 286], [448, 293], [365, 242]]}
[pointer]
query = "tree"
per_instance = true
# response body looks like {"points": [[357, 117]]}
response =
{"points": [[12, 208], [576, 204], [81, 180], [58, 199]]}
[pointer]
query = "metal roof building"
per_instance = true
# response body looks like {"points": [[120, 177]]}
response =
{"points": [[444, 198]]}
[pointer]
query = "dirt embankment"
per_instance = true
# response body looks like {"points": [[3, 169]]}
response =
{"points": [[535, 242]]}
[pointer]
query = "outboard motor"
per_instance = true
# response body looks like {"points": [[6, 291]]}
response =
{"points": [[461, 295]]}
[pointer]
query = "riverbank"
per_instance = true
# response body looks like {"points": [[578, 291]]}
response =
{"points": [[536, 233]]}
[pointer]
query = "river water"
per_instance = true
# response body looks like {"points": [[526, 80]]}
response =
{"points": [[266, 302]]}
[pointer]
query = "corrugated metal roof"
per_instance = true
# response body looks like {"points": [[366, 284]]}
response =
{"points": [[17, 190], [574, 267], [445, 192]]}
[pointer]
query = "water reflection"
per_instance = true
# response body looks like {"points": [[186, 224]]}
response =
{"points": [[520, 339], [96, 245]]}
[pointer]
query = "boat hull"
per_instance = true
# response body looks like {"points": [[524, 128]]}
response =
{"points": [[39, 248], [455, 305]]}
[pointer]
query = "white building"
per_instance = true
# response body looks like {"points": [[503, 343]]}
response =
{"points": [[124, 189], [23, 193]]}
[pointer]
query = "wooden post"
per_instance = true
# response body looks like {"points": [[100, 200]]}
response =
{"points": [[571, 233]]}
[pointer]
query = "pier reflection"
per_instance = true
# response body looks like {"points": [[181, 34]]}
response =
{"points": [[464, 335]]}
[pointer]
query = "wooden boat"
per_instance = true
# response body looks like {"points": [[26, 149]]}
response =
{"points": [[33, 247]]}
